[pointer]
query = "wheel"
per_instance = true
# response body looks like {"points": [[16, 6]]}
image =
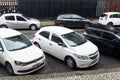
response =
{"points": [[9, 69], [36, 44], [110, 24], [3, 26], [71, 62], [33, 27]]}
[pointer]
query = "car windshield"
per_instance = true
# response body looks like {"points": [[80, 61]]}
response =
{"points": [[17, 42], [26, 17], [74, 39]]}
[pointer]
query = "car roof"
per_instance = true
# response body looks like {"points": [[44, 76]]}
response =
{"points": [[103, 27], [57, 29], [8, 14], [111, 13], [7, 32]]}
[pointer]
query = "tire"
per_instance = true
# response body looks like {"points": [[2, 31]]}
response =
{"points": [[36, 44], [70, 62], [33, 27], [9, 69], [110, 24], [3, 26]]}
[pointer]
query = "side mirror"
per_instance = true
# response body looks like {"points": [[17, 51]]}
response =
{"points": [[61, 44]]}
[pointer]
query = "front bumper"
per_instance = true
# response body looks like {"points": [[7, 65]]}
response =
{"points": [[29, 68], [87, 63]]}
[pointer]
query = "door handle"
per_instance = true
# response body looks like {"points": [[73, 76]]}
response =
{"points": [[39, 39]]}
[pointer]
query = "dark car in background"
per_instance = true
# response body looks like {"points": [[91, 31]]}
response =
{"points": [[72, 21], [107, 40]]}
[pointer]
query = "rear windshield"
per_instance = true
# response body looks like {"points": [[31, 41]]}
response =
{"points": [[103, 15]]}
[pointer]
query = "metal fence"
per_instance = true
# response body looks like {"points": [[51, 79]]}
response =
{"points": [[52, 8]]}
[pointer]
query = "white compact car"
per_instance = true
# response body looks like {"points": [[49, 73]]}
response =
{"points": [[110, 19], [18, 54], [18, 21], [67, 45]]}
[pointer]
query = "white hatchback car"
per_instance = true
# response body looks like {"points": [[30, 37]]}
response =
{"points": [[67, 45], [18, 21], [110, 19], [18, 54]]}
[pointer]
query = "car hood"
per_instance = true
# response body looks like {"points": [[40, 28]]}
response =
{"points": [[27, 54], [85, 49]]}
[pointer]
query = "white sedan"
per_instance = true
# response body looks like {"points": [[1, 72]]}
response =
{"points": [[18, 54], [67, 45]]}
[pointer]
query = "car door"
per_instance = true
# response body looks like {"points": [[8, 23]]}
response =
{"points": [[22, 22], [109, 43], [115, 18], [1, 54], [57, 50], [78, 21], [43, 40], [67, 21], [10, 21]]}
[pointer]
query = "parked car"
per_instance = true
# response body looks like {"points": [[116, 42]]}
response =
{"points": [[67, 45], [107, 40], [18, 21], [110, 19], [18, 54], [72, 21]]}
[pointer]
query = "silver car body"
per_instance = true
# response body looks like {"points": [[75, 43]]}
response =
{"points": [[18, 21]]}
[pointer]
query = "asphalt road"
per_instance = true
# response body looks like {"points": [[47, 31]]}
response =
{"points": [[55, 65]]}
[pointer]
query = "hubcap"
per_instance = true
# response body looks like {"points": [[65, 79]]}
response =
{"points": [[33, 27], [70, 63]]}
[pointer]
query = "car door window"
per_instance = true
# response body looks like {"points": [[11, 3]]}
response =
{"points": [[94, 32], [19, 18], [67, 17], [56, 39], [45, 34], [108, 36], [114, 16], [11, 18]]}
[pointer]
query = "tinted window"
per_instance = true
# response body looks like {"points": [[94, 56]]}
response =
{"points": [[20, 18], [56, 39], [10, 18], [45, 34], [66, 16], [115, 16], [94, 32], [103, 15], [108, 36]]}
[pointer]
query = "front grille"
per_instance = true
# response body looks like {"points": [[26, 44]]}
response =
{"points": [[94, 55], [34, 60]]}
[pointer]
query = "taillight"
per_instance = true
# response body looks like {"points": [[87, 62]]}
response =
{"points": [[106, 17]]}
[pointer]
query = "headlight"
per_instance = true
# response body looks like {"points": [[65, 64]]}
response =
{"points": [[18, 63], [81, 57]]}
